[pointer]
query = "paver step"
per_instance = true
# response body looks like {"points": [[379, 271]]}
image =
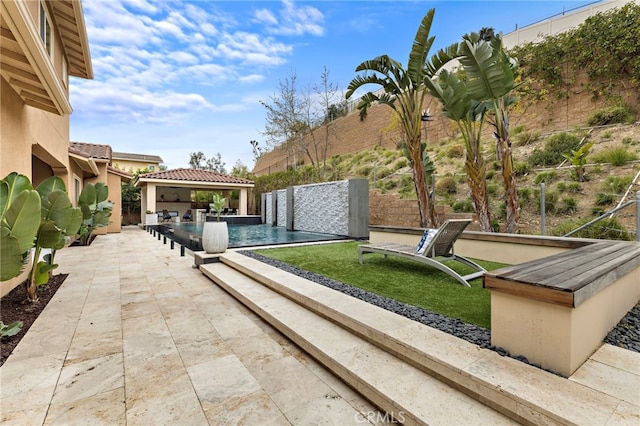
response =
{"points": [[397, 387], [518, 390]]}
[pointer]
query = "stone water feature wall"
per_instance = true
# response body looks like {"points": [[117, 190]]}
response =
{"points": [[338, 208], [281, 209], [267, 208]]}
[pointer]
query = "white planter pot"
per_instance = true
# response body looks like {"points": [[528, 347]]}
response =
{"points": [[150, 219], [215, 237]]}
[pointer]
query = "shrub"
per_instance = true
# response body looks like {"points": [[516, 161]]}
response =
{"points": [[403, 162], [463, 206], [446, 185], [492, 189], [610, 115], [382, 172], [629, 141], [574, 187], [521, 168], [524, 194], [603, 199], [569, 206], [550, 202], [456, 151], [561, 186], [364, 171], [524, 138], [390, 184], [605, 229], [554, 147], [546, 177], [490, 174], [616, 156], [617, 184]]}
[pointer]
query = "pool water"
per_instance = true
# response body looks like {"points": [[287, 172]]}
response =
{"points": [[189, 234]]}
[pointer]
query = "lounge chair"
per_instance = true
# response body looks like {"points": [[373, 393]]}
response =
{"points": [[187, 216], [166, 217], [225, 210], [435, 247]]}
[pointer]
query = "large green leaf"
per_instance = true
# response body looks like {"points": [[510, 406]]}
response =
{"points": [[11, 260], [489, 72], [48, 235], [60, 209], [102, 192], [88, 200], [420, 49], [49, 185], [23, 218], [12, 185], [74, 222]]}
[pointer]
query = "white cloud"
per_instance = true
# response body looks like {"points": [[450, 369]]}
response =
{"points": [[251, 79], [294, 20]]}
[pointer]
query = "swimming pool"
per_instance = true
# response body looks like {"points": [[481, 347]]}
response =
{"points": [[190, 235]]}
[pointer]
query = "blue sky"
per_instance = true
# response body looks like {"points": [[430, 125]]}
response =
{"points": [[175, 77]]}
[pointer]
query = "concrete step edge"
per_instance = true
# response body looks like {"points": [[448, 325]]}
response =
{"points": [[508, 398], [290, 318]]}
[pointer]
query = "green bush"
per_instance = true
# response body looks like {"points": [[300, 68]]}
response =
{"points": [[616, 156], [569, 206], [364, 171], [382, 172], [629, 141], [610, 115], [603, 199], [605, 229], [490, 174], [463, 206], [546, 177], [525, 138], [492, 189], [524, 194], [554, 147], [446, 185], [617, 184], [550, 202], [403, 162], [456, 151], [390, 184], [574, 187], [561, 186], [521, 168]]}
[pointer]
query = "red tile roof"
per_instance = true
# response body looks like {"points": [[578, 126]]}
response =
{"points": [[194, 175], [97, 151]]}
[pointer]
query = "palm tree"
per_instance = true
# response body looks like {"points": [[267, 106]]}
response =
{"points": [[404, 92], [468, 114], [491, 76]]}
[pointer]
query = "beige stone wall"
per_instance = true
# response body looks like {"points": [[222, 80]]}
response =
{"points": [[133, 166]]}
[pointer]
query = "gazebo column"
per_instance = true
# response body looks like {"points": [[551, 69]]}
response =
{"points": [[243, 201], [151, 197]]}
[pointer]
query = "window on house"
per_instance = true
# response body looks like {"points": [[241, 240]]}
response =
{"points": [[77, 188], [45, 29], [151, 167]]}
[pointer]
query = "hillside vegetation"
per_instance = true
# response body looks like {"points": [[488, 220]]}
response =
{"points": [[611, 165], [584, 81]]}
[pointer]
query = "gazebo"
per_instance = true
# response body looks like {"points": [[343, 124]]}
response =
{"points": [[171, 190]]}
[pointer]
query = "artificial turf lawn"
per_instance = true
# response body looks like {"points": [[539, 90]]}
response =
{"points": [[401, 279]]}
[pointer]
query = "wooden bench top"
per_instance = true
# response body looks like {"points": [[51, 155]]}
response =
{"points": [[568, 278]]}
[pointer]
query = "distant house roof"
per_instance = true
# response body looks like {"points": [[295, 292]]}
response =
{"points": [[96, 151], [194, 175], [136, 157]]}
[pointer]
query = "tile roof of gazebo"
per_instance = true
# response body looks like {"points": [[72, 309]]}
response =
{"points": [[194, 175]]}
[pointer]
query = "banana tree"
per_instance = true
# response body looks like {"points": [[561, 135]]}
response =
{"points": [[96, 210], [19, 222], [405, 93], [468, 114], [491, 76], [58, 219]]}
